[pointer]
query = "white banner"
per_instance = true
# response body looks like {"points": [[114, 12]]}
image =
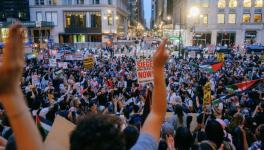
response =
{"points": [[144, 71]]}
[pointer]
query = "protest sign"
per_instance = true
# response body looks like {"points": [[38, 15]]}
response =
{"points": [[59, 135], [63, 65], [207, 94], [220, 57], [144, 71], [192, 54], [52, 62], [88, 62]]}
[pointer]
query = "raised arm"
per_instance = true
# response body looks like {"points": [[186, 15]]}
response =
{"points": [[26, 133], [157, 114]]}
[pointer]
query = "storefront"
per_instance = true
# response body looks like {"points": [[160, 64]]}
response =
{"points": [[202, 39], [79, 38], [250, 37], [226, 39]]}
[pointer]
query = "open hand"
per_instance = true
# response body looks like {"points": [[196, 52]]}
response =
{"points": [[13, 60], [161, 55]]}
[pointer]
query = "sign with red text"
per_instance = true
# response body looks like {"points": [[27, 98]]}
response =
{"points": [[144, 71]]}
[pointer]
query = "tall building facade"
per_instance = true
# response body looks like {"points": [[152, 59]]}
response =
{"points": [[162, 12], [80, 21], [220, 22]]}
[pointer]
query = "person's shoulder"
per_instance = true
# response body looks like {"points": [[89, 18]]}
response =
{"points": [[145, 141]]}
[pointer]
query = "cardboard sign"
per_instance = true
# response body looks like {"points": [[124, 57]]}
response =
{"points": [[52, 62], [144, 71], [63, 65], [59, 135], [220, 57], [88, 62], [207, 94]]}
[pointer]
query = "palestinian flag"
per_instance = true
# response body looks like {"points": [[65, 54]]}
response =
{"points": [[212, 68], [239, 87], [43, 125]]}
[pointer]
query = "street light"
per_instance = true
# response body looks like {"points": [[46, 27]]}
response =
{"points": [[169, 18], [194, 12]]}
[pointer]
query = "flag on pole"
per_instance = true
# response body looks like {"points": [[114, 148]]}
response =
{"points": [[212, 68], [239, 87]]}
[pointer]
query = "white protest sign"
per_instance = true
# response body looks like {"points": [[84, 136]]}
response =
{"points": [[63, 65], [52, 62], [144, 71]]}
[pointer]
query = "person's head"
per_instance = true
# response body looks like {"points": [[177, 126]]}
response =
{"points": [[260, 133], [214, 132], [97, 132], [178, 110], [183, 138], [238, 119], [131, 134]]}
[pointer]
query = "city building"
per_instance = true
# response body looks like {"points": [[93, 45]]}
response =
{"points": [[17, 10], [162, 13], [136, 17], [220, 22], [81, 21]]}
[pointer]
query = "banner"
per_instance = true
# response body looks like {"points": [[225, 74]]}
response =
{"points": [[52, 62], [220, 57], [192, 54], [144, 71], [207, 94], [88, 62]]}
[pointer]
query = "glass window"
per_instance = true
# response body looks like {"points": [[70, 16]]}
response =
{"points": [[257, 18], [36, 2], [220, 18], [110, 19], [95, 19], [204, 19], [39, 16], [259, 3], [232, 18], [41, 2], [110, 2], [79, 1], [204, 3], [96, 1], [68, 21], [221, 4], [247, 3], [246, 18], [52, 17], [233, 3], [52, 2]]}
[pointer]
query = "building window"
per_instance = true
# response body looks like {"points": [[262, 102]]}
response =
{"points": [[110, 2], [259, 3], [226, 39], [247, 3], [67, 21], [204, 19], [221, 18], [204, 3], [95, 19], [232, 18], [110, 19], [79, 1], [246, 18], [39, 16], [221, 4], [66, 2], [52, 2], [75, 20], [96, 1], [257, 18], [250, 37], [52, 17], [39, 2], [233, 3]]}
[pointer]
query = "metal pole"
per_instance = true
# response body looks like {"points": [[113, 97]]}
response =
{"points": [[180, 33]]}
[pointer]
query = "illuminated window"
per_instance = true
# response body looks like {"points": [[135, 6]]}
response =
{"points": [[247, 3], [232, 18], [259, 3], [204, 19], [246, 18], [233, 3], [220, 18], [39, 16], [257, 18], [221, 4], [204, 3], [68, 21]]}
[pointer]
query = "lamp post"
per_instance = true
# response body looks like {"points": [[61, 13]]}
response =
{"points": [[194, 12]]}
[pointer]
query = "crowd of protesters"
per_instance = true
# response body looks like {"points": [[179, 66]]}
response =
{"points": [[122, 113]]}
